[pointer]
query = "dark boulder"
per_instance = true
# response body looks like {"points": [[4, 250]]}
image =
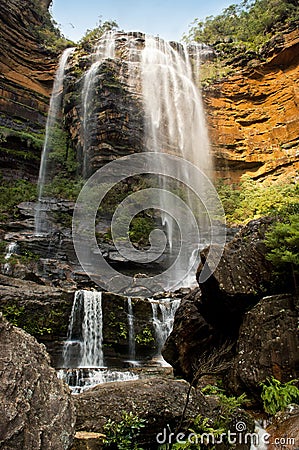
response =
{"points": [[268, 344]]}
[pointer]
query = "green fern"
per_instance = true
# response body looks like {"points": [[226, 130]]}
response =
{"points": [[276, 396]]}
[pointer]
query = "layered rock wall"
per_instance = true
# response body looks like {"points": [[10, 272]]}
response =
{"points": [[27, 72], [253, 115]]}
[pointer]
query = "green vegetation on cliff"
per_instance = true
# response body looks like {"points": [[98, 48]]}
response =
{"points": [[244, 27], [12, 193], [251, 199], [48, 32]]}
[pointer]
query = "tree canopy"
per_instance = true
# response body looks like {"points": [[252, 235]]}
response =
{"points": [[249, 23]]}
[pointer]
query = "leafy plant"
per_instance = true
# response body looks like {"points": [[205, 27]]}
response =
{"points": [[122, 435], [197, 436], [145, 337], [276, 395], [251, 199], [283, 244], [140, 229], [62, 187], [91, 36]]}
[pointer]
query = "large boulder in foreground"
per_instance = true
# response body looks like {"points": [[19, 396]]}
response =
{"points": [[268, 343], [160, 401], [36, 408]]}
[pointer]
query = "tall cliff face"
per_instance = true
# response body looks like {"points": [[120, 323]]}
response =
{"points": [[27, 72], [253, 115]]}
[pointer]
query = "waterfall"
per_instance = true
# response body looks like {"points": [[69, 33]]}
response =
{"points": [[104, 49], [132, 352], [163, 319], [83, 347], [41, 225], [175, 124]]}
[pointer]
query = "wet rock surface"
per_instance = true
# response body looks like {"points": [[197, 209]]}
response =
{"points": [[36, 408], [27, 71]]}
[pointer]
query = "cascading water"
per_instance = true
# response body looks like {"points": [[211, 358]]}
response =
{"points": [[163, 318], [175, 124], [41, 223], [132, 350], [12, 249], [79, 380], [104, 49], [83, 347]]}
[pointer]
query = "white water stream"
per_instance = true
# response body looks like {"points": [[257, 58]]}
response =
{"points": [[41, 223], [163, 319]]}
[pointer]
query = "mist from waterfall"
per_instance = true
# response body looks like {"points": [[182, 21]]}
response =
{"points": [[54, 115]]}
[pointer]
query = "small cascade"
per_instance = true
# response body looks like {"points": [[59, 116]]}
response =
{"points": [[163, 319], [132, 351], [83, 347], [105, 49], [11, 250], [79, 380], [41, 223]]}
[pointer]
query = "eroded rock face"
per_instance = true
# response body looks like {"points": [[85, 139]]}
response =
{"points": [[268, 344], [36, 408], [27, 72], [253, 116]]}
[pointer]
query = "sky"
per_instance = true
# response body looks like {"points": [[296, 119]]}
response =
{"points": [[168, 19]]}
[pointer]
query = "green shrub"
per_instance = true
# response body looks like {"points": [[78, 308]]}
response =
{"points": [[201, 426], [91, 36], [242, 27], [282, 241], [276, 396], [122, 435], [251, 199], [62, 187], [12, 193], [145, 337]]}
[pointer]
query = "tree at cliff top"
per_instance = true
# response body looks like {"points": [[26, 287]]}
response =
{"points": [[244, 27]]}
